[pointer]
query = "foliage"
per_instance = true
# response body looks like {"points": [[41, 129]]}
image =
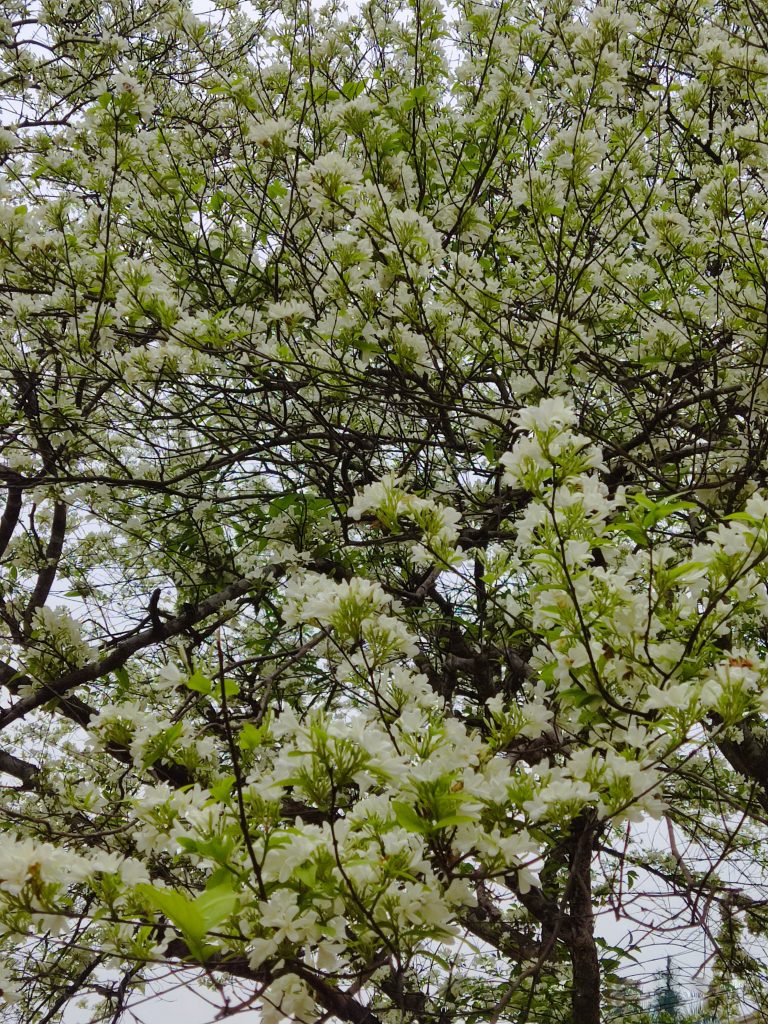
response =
{"points": [[385, 540]]}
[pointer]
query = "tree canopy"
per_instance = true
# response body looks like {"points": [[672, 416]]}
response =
{"points": [[385, 541]]}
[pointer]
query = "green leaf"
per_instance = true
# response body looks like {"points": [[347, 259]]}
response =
{"points": [[193, 918], [179, 910], [162, 743], [217, 201], [415, 96], [408, 819], [351, 90], [682, 570], [215, 905], [252, 736], [643, 501], [200, 684], [231, 688], [222, 789], [455, 819], [221, 876], [188, 844], [307, 874], [276, 190], [579, 698]]}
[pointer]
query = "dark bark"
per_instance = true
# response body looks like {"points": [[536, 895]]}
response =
{"points": [[585, 994], [120, 654], [47, 573], [749, 757], [338, 1003], [10, 516], [18, 768]]}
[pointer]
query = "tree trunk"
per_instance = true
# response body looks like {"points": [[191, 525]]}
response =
{"points": [[585, 995]]}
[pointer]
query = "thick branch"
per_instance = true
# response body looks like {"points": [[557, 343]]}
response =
{"points": [[10, 516], [19, 769], [749, 757], [585, 994], [120, 654], [53, 551], [487, 922], [335, 1001]]}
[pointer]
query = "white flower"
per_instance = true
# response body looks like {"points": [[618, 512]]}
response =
{"points": [[8, 140], [133, 872], [9, 990], [169, 677], [293, 309], [262, 133], [383, 494], [282, 913], [287, 998], [333, 171], [62, 632], [259, 951], [757, 506], [24, 859], [122, 82], [678, 696], [526, 880], [282, 860], [459, 894], [550, 412], [411, 229]]}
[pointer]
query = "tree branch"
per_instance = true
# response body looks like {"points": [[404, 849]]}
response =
{"points": [[120, 654], [19, 769], [53, 551], [10, 516]]}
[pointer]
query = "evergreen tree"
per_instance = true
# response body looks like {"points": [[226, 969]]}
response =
{"points": [[668, 1000]]}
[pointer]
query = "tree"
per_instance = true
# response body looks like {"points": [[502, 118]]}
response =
{"points": [[384, 430], [667, 1000], [670, 1005]]}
